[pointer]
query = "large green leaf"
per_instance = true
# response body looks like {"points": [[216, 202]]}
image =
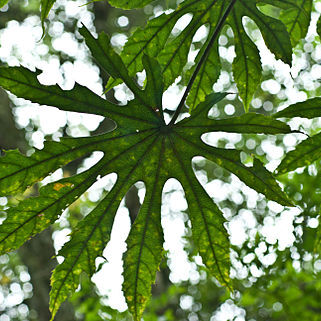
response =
{"points": [[142, 147], [280, 35]]}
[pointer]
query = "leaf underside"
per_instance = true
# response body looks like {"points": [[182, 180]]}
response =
{"points": [[141, 148]]}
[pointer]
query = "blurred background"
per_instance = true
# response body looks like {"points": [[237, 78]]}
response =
{"points": [[275, 254]]}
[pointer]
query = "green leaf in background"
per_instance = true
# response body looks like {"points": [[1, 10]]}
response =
{"points": [[129, 4], [46, 6], [306, 109], [142, 147], [304, 154], [319, 27], [309, 150]]}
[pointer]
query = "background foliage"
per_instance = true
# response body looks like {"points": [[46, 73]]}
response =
{"points": [[267, 272]]}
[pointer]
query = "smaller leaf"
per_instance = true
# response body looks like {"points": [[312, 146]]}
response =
{"points": [[150, 40], [304, 154], [46, 6], [306, 109], [319, 27], [129, 4], [273, 30], [174, 55]]}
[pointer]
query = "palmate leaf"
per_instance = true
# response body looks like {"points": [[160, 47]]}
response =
{"points": [[280, 35], [142, 147], [309, 150]]}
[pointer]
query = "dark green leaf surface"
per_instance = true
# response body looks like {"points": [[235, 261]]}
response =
{"points": [[307, 109], [140, 148]]}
